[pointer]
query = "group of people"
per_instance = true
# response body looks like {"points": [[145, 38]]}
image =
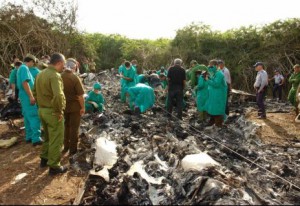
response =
{"points": [[211, 85], [262, 82], [52, 99]]}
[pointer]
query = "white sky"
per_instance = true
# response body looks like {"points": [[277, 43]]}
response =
{"points": [[161, 18]]}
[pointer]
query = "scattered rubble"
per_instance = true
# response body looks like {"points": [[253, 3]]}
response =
{"points": [[150, 160]]}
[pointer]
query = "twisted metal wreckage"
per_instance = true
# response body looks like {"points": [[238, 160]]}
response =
{"points": [[147, 159]]}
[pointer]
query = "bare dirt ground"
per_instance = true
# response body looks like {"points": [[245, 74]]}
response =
{"points": [[278, 129], [37, 187]]}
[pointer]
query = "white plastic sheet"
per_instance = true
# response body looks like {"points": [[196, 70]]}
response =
{"points": [[106, 153], [197, 162]]}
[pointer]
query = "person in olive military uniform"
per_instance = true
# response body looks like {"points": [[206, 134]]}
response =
{"points": [[74, 92], [48, 91]]}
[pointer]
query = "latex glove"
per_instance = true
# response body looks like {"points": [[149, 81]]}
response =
{"points": [[94, 104]]}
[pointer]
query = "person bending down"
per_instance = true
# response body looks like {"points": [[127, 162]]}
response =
{"points": [[95, 100]]}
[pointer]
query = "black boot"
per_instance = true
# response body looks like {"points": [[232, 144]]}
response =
{"points": [[59, 170], [43, 163]]}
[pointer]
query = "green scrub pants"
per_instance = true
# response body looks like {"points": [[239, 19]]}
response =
{"points": [[31, 120]]}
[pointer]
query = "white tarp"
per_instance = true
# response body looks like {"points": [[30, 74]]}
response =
{"points": [[198, 162]]}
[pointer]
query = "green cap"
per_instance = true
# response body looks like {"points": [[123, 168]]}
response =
{"points": [[32, 57], [97, 86], [194, 62], [42, 65]]}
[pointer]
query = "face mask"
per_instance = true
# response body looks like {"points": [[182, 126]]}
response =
{"points": [[212, 69], [127, 68]]}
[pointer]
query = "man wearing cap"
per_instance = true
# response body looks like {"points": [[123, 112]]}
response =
{"points": [[217, 94], [277, 88], [260, 86], [128, 77], [202, 95], [74, 92], [176, 84], [162, 71], [50, 97], [192, 72], [25, 84], [227, 76], [95, 101]]}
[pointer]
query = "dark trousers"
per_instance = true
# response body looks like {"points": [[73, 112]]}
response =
{"points": [[177, 97], [16, 93], [260, 98], [216, 119], [72, 123], [277, 89]]}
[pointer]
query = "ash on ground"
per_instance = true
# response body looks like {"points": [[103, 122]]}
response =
{"points": [[150, 160]]}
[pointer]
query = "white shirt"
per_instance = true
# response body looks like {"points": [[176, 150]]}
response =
{"points": [[261, 80], [227, 76], [278, 78]]}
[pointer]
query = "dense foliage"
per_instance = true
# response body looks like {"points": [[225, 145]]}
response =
{"points": [[23, 30]]}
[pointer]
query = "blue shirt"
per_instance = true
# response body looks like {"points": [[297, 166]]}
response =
{"points": [[23, 75], [34, 72]]}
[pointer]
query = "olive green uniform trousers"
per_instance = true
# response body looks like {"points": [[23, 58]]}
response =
{"points": [[53, 138]]}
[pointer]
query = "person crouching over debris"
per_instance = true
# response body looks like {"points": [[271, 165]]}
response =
{"points": [[202, 94], [95, 101], [74, 92], [217, 94], [141, 98], [295, 81]]}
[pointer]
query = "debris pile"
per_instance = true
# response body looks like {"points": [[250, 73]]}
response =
{"points": [[150, 160]]}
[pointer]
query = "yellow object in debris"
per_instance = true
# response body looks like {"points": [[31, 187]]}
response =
{"points": [[8, 142]]}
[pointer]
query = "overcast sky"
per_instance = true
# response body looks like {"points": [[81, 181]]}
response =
{"points": [[161, 18]]}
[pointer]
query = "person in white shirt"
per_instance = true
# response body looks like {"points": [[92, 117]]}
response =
{"points": [[260, 86], [277, 88], [226, 72]]}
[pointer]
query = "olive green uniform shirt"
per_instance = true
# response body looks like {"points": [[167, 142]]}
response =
{"points": [[72, 90], [48, 90]]}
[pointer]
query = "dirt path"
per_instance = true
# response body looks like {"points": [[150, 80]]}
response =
{"points": [[37, 187], [278, 128]]}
